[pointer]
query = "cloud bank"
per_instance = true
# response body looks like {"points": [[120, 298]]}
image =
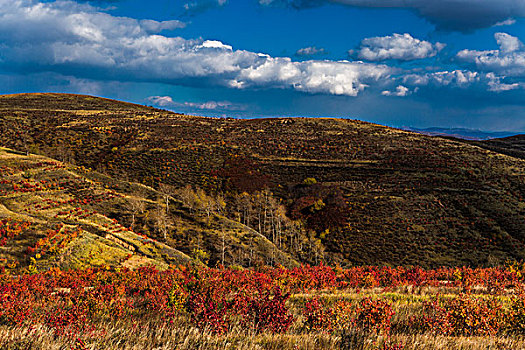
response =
{"points": [[73, 39], [81, 42], [456, 15]]}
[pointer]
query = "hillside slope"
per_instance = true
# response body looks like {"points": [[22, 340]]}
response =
{"points": [[513, 146], [362, 193], [54, 214]]}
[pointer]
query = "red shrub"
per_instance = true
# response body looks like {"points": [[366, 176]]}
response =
{"points": [[465, 315], [374, 315], [318, 317]]}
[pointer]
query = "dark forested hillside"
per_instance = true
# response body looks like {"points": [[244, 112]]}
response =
{"points": [[337, 190]]}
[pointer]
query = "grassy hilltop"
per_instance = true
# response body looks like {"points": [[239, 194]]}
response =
{"points": [[342, 191]]}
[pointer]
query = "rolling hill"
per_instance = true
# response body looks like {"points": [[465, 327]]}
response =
{"points": [[513, 146], [343, 191]]}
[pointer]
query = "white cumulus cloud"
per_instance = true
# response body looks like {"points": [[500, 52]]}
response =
{"points": [[162, 101], [215, 44], [508, 43], [456, 78], [167, 101], [497, 84], [336, 78], [462, 79], [397, 46], [401, 91], [507, 22], [152, 26], [195, 6], [310, 51], [509, 60]]}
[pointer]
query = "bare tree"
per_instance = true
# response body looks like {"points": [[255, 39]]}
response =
{"points": [[64, 153], [136, 206], [244, 208], [220, 204], [161, 221], [206, 203], [211, 205], [188, 197], [166, 191], [223, 247]]}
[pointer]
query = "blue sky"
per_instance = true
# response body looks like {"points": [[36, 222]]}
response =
{"points": [[420, 63]]}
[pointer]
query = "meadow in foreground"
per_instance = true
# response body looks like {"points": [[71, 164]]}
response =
{"points": [[189, 307]]}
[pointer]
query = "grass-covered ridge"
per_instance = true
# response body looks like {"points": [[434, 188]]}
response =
{"points": [[352, 192]]}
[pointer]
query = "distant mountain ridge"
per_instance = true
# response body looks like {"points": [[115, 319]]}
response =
{"points": [[461, 133]]}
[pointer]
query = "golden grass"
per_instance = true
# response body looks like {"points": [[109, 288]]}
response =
{"points": [[160, 336]]}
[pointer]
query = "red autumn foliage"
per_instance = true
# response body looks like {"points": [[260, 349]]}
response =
{"points": [[75, 301]]}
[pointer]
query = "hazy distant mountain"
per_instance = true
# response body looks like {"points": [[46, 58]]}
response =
{"points": [[462, 133]]}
